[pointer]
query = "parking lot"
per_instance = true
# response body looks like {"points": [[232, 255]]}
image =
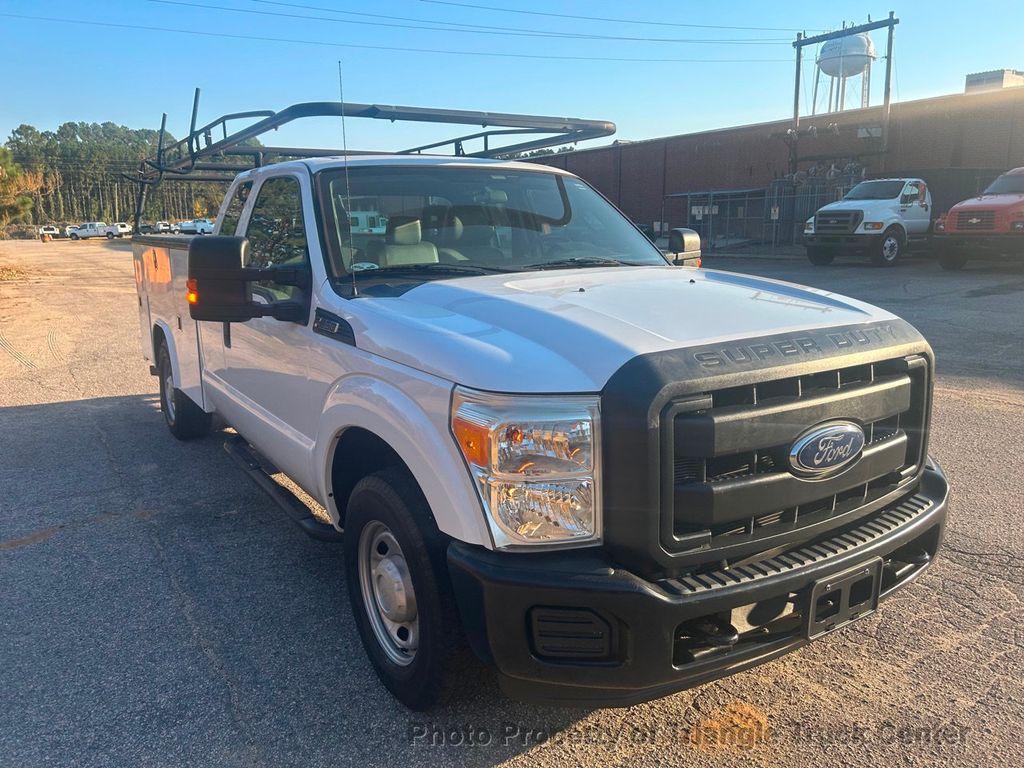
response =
{"points": [[156, 608]]}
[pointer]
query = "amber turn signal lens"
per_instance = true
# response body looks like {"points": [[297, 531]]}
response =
{"points": [[191, 291], [473, 439]]}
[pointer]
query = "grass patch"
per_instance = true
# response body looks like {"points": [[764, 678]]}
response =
{"points": [[10, 273]]}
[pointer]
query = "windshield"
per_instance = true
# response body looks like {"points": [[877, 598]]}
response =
{"points": [[1007, 184], [442, 222], [875, 190]]}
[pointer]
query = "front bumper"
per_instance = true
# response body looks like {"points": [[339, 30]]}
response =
{"points": [[852, 243], [979, 244], [626, 640]]}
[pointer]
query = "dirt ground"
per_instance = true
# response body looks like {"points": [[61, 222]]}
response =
{"points": [[156, 609]]}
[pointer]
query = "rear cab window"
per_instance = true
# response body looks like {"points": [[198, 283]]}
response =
{"points": [[277, 235], [236, 203]]}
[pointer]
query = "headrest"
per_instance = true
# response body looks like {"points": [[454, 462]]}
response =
{"points": [[403, 230], [455, 228]]}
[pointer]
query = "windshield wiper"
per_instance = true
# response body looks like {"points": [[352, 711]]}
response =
{"points": [[435, 267], [582, 261]]}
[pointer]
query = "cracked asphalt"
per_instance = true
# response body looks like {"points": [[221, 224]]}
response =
{"points": [[157, 610]]}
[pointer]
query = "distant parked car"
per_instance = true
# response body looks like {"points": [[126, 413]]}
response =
{"points": [[89, 229], [162, 226], [50, 230], [196, 227], [70, 228], [118, 229]]}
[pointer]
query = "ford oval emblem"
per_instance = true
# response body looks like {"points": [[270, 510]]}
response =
{"points": [[826, 448]]}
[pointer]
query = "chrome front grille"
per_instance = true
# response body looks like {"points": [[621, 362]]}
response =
{"points": [[837, 222], [976, 220]]}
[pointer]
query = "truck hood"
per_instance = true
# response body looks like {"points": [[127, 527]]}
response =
{"points": [[570, 330], [990, 202], [868, 206]]}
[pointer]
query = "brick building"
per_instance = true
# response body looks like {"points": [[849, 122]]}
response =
{"points": [[957, 143]]}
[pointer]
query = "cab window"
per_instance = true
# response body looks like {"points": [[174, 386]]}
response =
{"points": [[277, 235], [234, 209]]}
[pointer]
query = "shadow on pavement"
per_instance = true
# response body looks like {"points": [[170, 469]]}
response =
{"points": [[158, 606]]}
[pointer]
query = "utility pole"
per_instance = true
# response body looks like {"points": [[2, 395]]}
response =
{"points": [[799, 45]]}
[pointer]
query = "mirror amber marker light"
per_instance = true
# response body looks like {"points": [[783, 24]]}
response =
{"points": [[191, 291]]}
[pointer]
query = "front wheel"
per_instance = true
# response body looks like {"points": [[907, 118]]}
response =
{"points": [[399, 589], [952, 261], [820, 257], [889, 248]]}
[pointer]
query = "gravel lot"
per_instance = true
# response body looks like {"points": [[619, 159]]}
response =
{"points": [[156, 609]]}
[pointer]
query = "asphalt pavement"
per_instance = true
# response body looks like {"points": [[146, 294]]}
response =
{"points": [[156, 609]]}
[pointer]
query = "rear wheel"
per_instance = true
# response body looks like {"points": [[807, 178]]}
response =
{"points": [[110, 235], [819, 256], [74, 236], [400, 591], [889, 248], [184, 418]]}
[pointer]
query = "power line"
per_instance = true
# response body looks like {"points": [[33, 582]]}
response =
{"points": [[477, 30], [323, 44], [613, 20]]}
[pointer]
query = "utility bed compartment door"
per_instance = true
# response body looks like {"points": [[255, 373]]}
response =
{"points": [[164, 272]]}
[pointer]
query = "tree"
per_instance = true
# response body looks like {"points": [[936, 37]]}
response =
{"points": [[80, 173], [16, 189]]}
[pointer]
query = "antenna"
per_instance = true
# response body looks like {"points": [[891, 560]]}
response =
{"points": [[348, 186]]}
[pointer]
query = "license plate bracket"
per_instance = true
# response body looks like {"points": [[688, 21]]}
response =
{"points": [[842, 598]]}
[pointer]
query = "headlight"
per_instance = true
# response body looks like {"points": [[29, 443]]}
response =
{"points": [[873, 226], [940, 225], [809, 226], [1017, 226], [535, 462]]}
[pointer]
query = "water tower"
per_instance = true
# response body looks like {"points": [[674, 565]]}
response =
{"points": [[840, 59], [844, 53]]}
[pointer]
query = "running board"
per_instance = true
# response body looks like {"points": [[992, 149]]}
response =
{"points": [[291, 504]]}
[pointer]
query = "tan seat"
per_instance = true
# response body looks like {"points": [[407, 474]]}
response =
{"points": [[404, 244], [442, 228]]}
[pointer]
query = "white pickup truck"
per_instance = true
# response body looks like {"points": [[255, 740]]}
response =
{"points": [[196, 227], [608, 476], [87, 230], [880, 218]]}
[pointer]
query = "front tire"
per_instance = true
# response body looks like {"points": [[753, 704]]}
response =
{"points": [[952, 261], [820, 257], [889, 249], [399, 589], [183, 417]]}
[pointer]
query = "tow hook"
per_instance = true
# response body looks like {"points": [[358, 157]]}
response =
{"points": [[712, 631]]}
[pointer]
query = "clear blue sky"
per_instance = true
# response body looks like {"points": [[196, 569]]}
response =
{"points": [[55, 71]]}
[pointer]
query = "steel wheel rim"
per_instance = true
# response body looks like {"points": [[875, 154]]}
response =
{"points": [[169, 397], [890, 248], [388, 595]]}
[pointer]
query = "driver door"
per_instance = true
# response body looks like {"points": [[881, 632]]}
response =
{"points": [[914, 208], [266, 360]]}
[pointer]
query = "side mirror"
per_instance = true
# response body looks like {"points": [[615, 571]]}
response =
{"points": [[218, 283], [684, 245]]}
